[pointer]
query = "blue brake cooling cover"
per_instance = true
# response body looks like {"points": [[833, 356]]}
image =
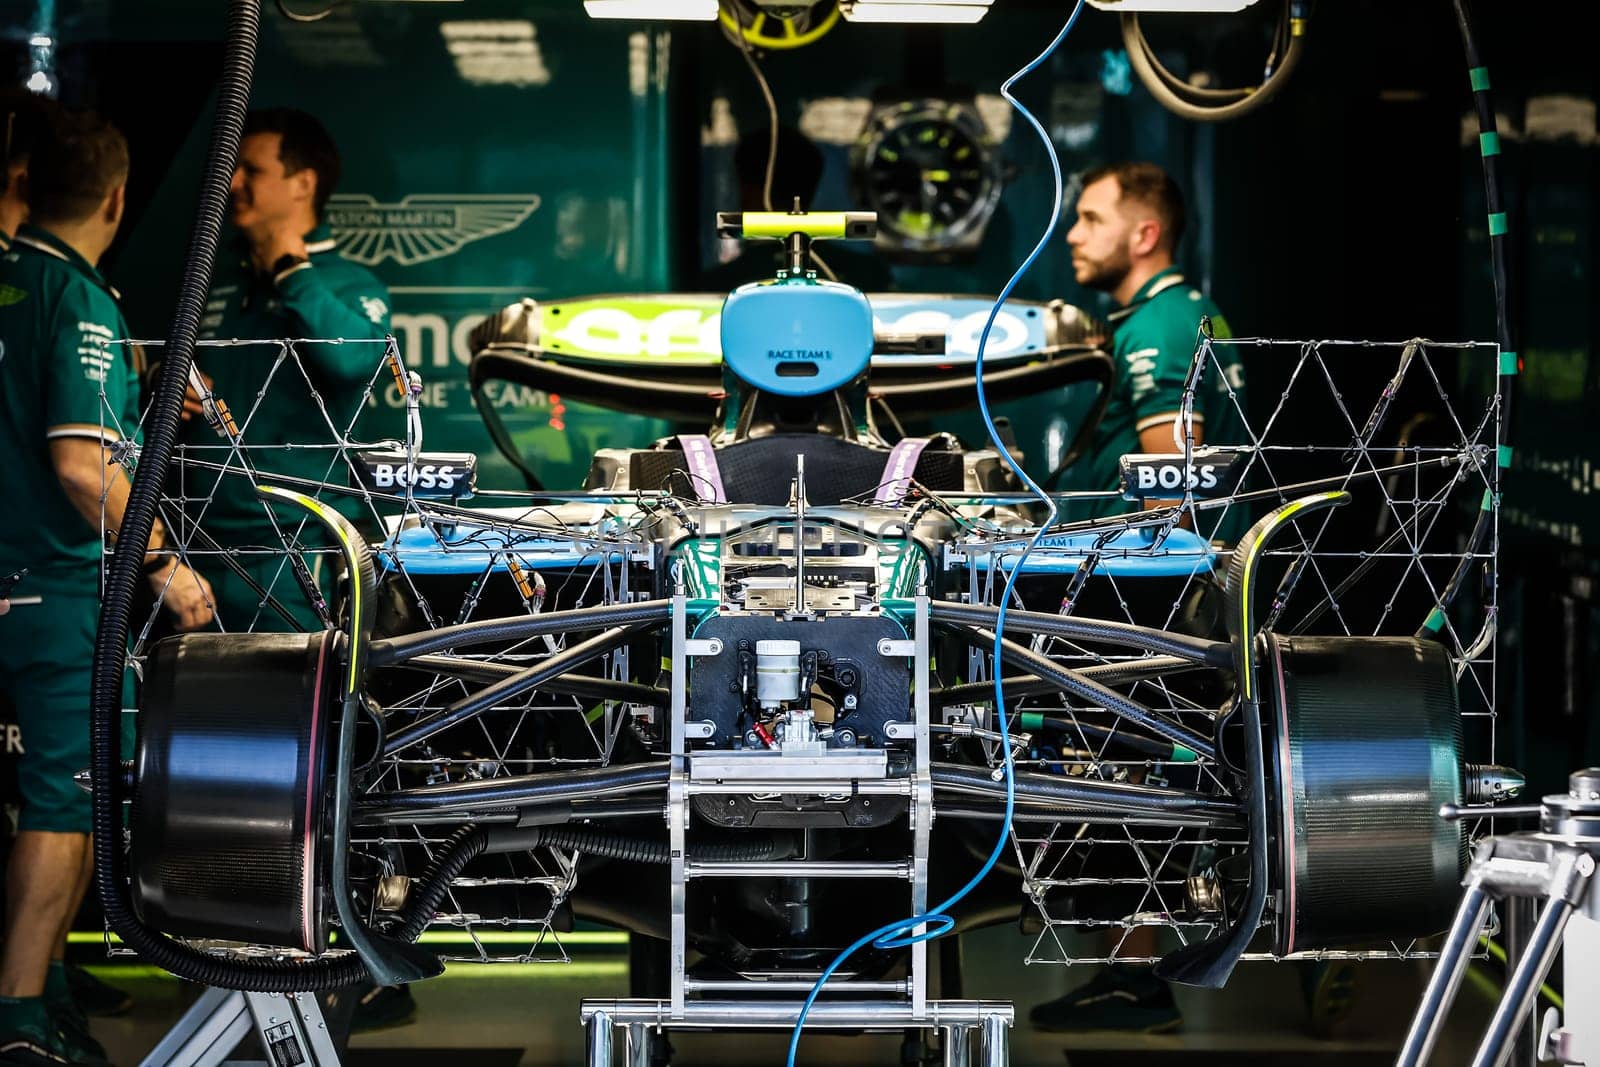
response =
{"points": [[797, 336], [1130, 554]]}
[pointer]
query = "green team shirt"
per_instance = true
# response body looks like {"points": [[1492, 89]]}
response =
{"points": [[1153, 348], [61, 375], [328, 297]]}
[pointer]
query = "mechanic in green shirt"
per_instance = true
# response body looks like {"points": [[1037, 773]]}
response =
{"points": [[287, 282], [1130, 219], [68, 398]]}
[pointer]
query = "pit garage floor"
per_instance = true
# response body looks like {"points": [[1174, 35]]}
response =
{"points": [[499, 1016]]}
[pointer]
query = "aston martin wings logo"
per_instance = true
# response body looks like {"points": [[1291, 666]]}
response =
{"points": [[421, 226]]}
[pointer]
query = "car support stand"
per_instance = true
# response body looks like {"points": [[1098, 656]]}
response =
{"points": [[1556, 864], [898, 1004], [290, 1027]]}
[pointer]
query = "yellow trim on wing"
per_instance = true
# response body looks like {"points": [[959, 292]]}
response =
{"points": [[335, 522], [1247, 684]]}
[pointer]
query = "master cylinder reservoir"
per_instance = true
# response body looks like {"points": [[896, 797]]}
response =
{"points": [[777, 673]]}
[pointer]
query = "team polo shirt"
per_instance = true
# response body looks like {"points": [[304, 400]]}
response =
{"points": [[1154, 346], [62, 374], [327, 297]]}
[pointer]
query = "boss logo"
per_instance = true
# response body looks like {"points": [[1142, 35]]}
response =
{"points": [[433, 474], [1212, 473], [425, 476]]}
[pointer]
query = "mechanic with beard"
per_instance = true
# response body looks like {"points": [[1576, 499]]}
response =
{"points": [[287, 282], [1125, 240], [1130, 219]]}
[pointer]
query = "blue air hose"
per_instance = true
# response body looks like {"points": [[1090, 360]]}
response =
{"points": [[937, 921]]}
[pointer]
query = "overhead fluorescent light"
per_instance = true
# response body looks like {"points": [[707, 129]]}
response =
{"points": [[679, 10], [496, 51], [957, 11], [1181, 7]]}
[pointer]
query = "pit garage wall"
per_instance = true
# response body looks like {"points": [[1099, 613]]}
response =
{"points": [[495, 149], [491, 151]]}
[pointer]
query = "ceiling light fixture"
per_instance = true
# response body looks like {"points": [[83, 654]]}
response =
{"points": [[1168, 7], [677, 10], [948, 11]]}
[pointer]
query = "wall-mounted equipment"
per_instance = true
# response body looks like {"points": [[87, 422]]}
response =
{"points": [[928, 167], [1200, 103]]}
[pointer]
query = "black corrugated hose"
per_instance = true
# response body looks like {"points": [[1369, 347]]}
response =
{"points": [[463, 846], [125, 565]]}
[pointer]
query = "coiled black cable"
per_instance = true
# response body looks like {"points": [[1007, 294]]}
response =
{"points": [[1214, 105]]}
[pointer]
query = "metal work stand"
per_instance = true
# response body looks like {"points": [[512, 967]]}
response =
{"points": [[1556, 864], [290, 1027], [956, 1019], [894, 1004]]}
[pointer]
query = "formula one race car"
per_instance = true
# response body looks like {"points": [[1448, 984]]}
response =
{"points": [[762, 691]]}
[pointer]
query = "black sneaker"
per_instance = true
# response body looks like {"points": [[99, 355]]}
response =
{"points": [[1129, 999], [72, 1026], [383, 1008], [94, 996], [30, 1046]]}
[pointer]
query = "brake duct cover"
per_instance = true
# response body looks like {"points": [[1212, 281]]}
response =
{"points": [[228, 835], [1369, 732]]}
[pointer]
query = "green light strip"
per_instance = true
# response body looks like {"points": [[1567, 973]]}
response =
{"points": [[548, 972], [444, 937], [513, 937], [1435, 620], [1498, 224], [1508, 363], [1489, 143], [1479, 76], [1504, 453], [541, 973]]}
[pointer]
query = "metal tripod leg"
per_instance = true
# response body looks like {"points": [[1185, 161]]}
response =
{"points": [[1539, 953], [957, 1046], [290, 1029], [1454, 958], [1557, 866]]}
